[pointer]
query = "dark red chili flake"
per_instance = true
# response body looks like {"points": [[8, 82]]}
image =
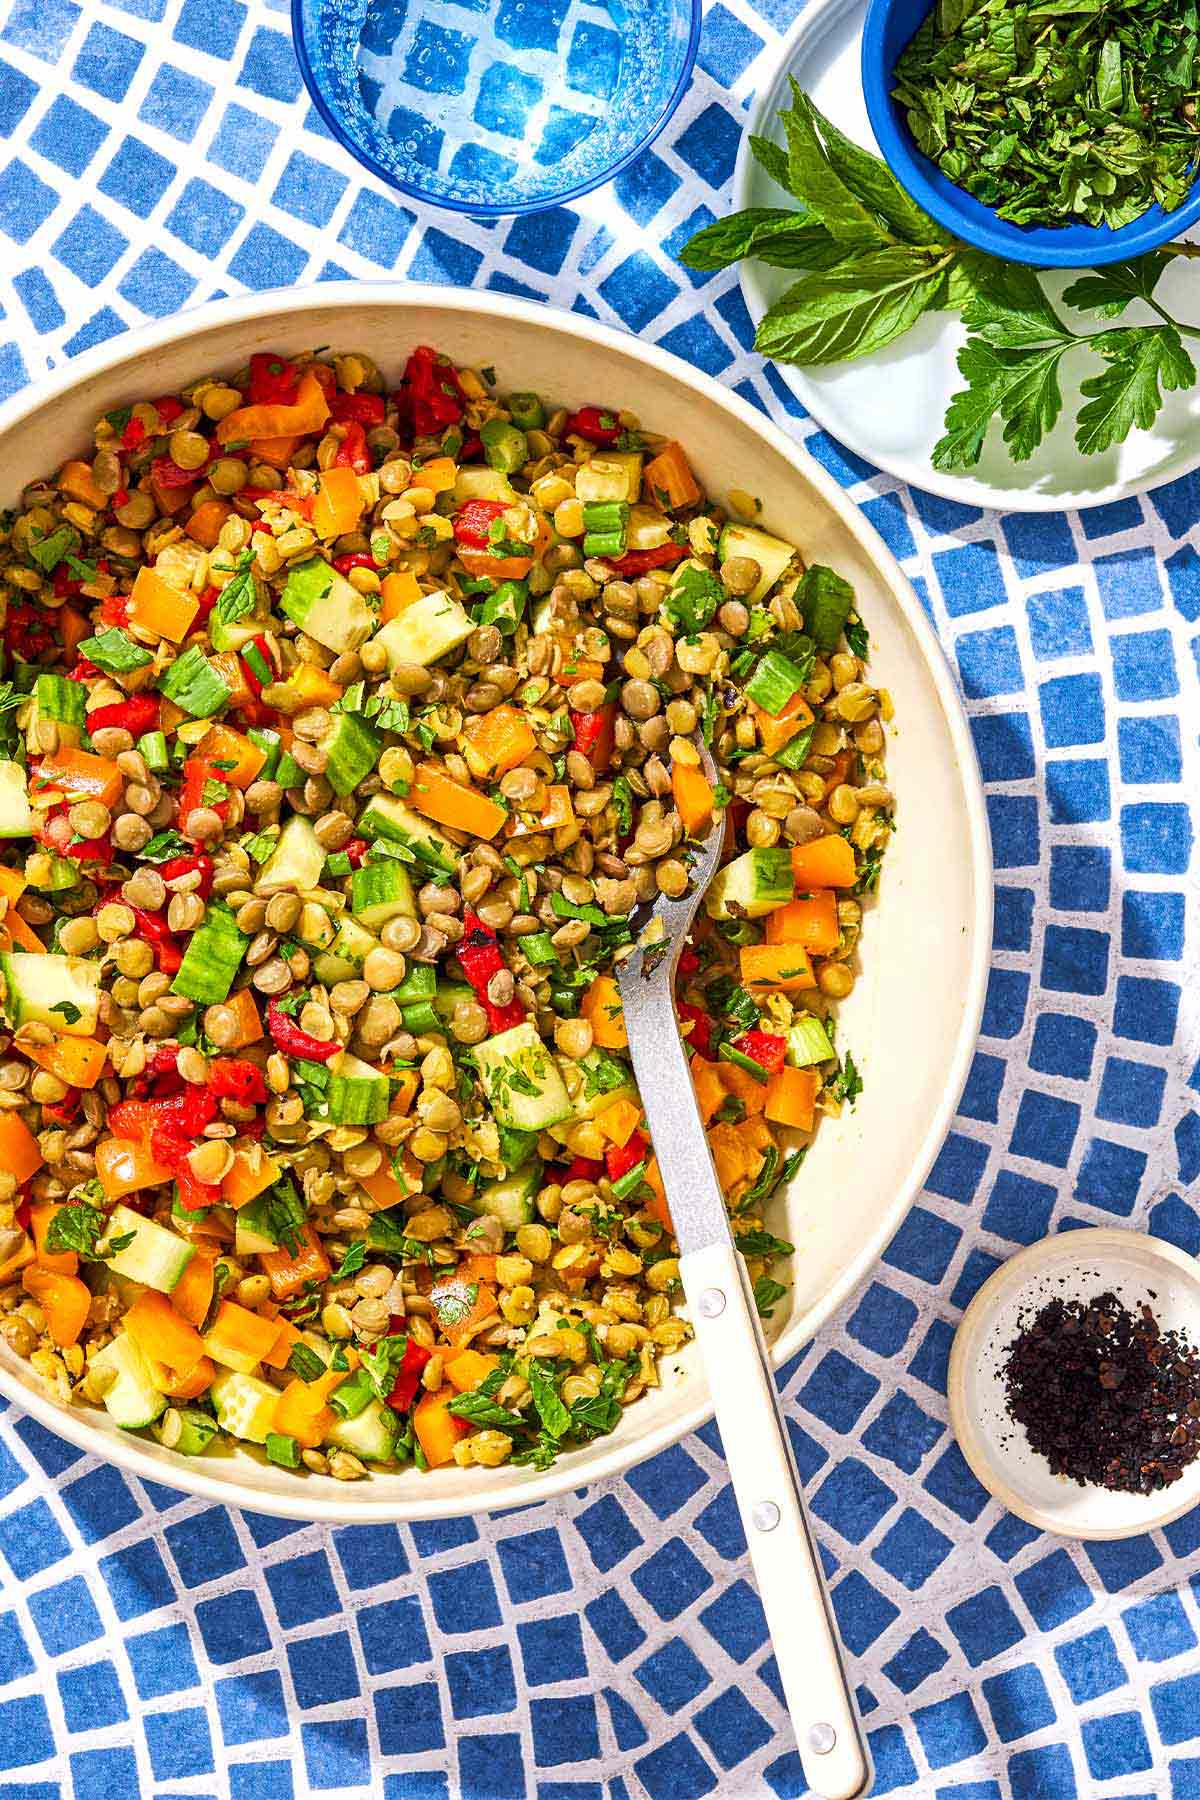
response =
{"points": [[1104, 1394]]}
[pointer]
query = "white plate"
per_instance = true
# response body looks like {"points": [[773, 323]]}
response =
{"points": [[913, 1037], [889, 407], [1075, 1265]]}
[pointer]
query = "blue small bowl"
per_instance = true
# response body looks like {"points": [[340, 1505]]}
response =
{"points": [[890, 24]]}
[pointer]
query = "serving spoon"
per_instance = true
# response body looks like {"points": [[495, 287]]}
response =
{"points": [[829, 1734]]}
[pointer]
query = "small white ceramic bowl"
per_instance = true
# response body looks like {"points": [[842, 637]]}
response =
{"points": [[1074, 1265], [912, 1020]]}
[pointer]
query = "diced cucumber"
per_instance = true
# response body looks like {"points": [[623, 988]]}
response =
{"points": [[771, 554], [606, 1079], [62, 703], [380, 891], [16, 816], [212, 958], [352, 750], [233, 634], [131, 1398], [448, 995], [326, 607], [155, 1257], [351, 946], [186, 1429], [808, 1042], [270, 743], [516, 1147], [504, 445], [296, 863], [386, 817], [51, 874], [195, 684], [253, 1235], [357, 1094], [425, 631], [751, 885], [245, 1405], [62, 991], [612, 475], [511, 1200], [371, 1434], [521, 1079], [475, 483]]}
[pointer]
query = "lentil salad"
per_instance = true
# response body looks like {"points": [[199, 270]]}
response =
{"points": [[350, 728]]}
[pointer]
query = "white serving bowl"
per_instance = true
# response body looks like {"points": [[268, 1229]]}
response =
{"points": [[912, 1020]]}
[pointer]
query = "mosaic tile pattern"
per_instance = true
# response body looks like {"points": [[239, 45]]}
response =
{"points": [[610, 1646]]}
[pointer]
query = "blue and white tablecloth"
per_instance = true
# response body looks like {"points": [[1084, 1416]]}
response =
{"points": [[610, 1647]]}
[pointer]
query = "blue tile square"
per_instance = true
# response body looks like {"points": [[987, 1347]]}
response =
{"points": [[959, 1168], [1058, 624], [91, 1697], [534, 1566], [1013, 821], [1146, 1011], [1123, 1561], [727, 47], [984, 1625], [593, 59], [252, 1707], [709, 145], [137, 1580], [308, 189], [66, 134], [732, 1728], [210, 25], [882, 1320], [977, 1266], [862, 1612], [985, 1082], [1128, 582], [176, 103], [205, 1547], [720, 1525], [370, 1554], [1072, 709], [933, 1356], [1053, 1590], [672, 1579], [107, 62], [481, 1682], [902, 1434], [270, 68], [100, 1774], [608, 1532], [1144, 665], [179, 1743], [1159, 1628], [89, 246], [40, 28], [1110, 1176], [736, 1620], [157, 286], [1077, 793], [1034, 1773], [137, 177], [32, 1540], [265, 259], [970, 578], [565, 1730], [951, 1481], [1174, 1704], [409, 1719], [1012, 927], [530, 27], [323, 1669], [1045, 1128], [25, 202], [1131, 1093], [65, 1616], [261, 1781], [1075, 960], [1149, 750], [915, 1661], [614, 1625], [673, 1675], [464, 1598], [232, 1626], [1019, 1702], [162, 1661], [505, 99], [1004, 746], [923, 1246], [675, 1771], [1063, 1045], [203, 218], [1156, 838], [336, 1753], [242, 143], [1039, 541], [638, 290], [551, 1650], [837, 1391], [949, 1730], [1090, 1665], [302, 1589], [378, 229], [25, 1735], [912, 1550], [1116, 1745], [989, 662], [667, 1482], [393, 1634], [1018, 1208], [1080, 877], [1152, 925], [488, 1765]]}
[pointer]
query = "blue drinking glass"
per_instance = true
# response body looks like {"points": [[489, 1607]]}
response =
{"points": [[496, 106]]}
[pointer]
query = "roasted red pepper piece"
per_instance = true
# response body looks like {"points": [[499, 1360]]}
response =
{"points": [[165, 472], [689, 961], [198, 771], [83, 670], [582, 1168], [115, 609], [352, 452], [355, 559], [289, 1038], [620, 1158], [63, 1110], [408, 1375], [637, 562], [429, 394], [764, 1048], [478, 952], [274, 381], [594, 735], [237, 1078], [134, 434], [473, 522], [136, 715], [26, 631], [176, 866], [361, 409], [595, 423], [58, 834], [700, 1036], [153, 927], [356, 849], [193, 1195]]}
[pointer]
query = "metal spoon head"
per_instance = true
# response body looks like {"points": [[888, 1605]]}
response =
{"points": [[661, 926]]}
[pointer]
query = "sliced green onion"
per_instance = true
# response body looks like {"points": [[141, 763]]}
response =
{"points": [[153, 747], [727, 1053]]}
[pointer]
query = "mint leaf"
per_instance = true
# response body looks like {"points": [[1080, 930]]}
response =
{"points": [[773, 160], [853, 309], [873, 181], [1141, 361], [554, 1415], [813, 181]]}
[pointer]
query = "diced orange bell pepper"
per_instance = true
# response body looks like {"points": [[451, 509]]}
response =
{"points": [[302, 1411], [843, 762], [407, 1082], [827, 862], [388, 1189], [746, 1087], [222, 745], [63, 1262], [437, 1429], [80, 776], [249, 1022], [668, 480], [252, 1171], [791, 1097], [339, 503], [657, 1205], [204, 526], [19, 1150], [64, 1299], [619, 1121], [450, 803], [281, 1349], [22, 935], [78, 1061], [693, 796], [309, 686], [288, 1273], [238, 1338], [783, 968], [157, 606], [190, 1385], [397, 591], [192, 1294], [601, 1007], [777, 729], [438, 475], [162, 1333], [12, 884], [75, 479], [73, 627], [460, 1311], [126, 1164], [278, 451], [735, 1160], [467, 1368], [810, 921], [171, 500], [711, 1091], [305, 414], [496, 741]]}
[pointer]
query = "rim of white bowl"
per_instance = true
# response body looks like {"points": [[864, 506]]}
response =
{"points": [[315, 1501], [971, 1338]]}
